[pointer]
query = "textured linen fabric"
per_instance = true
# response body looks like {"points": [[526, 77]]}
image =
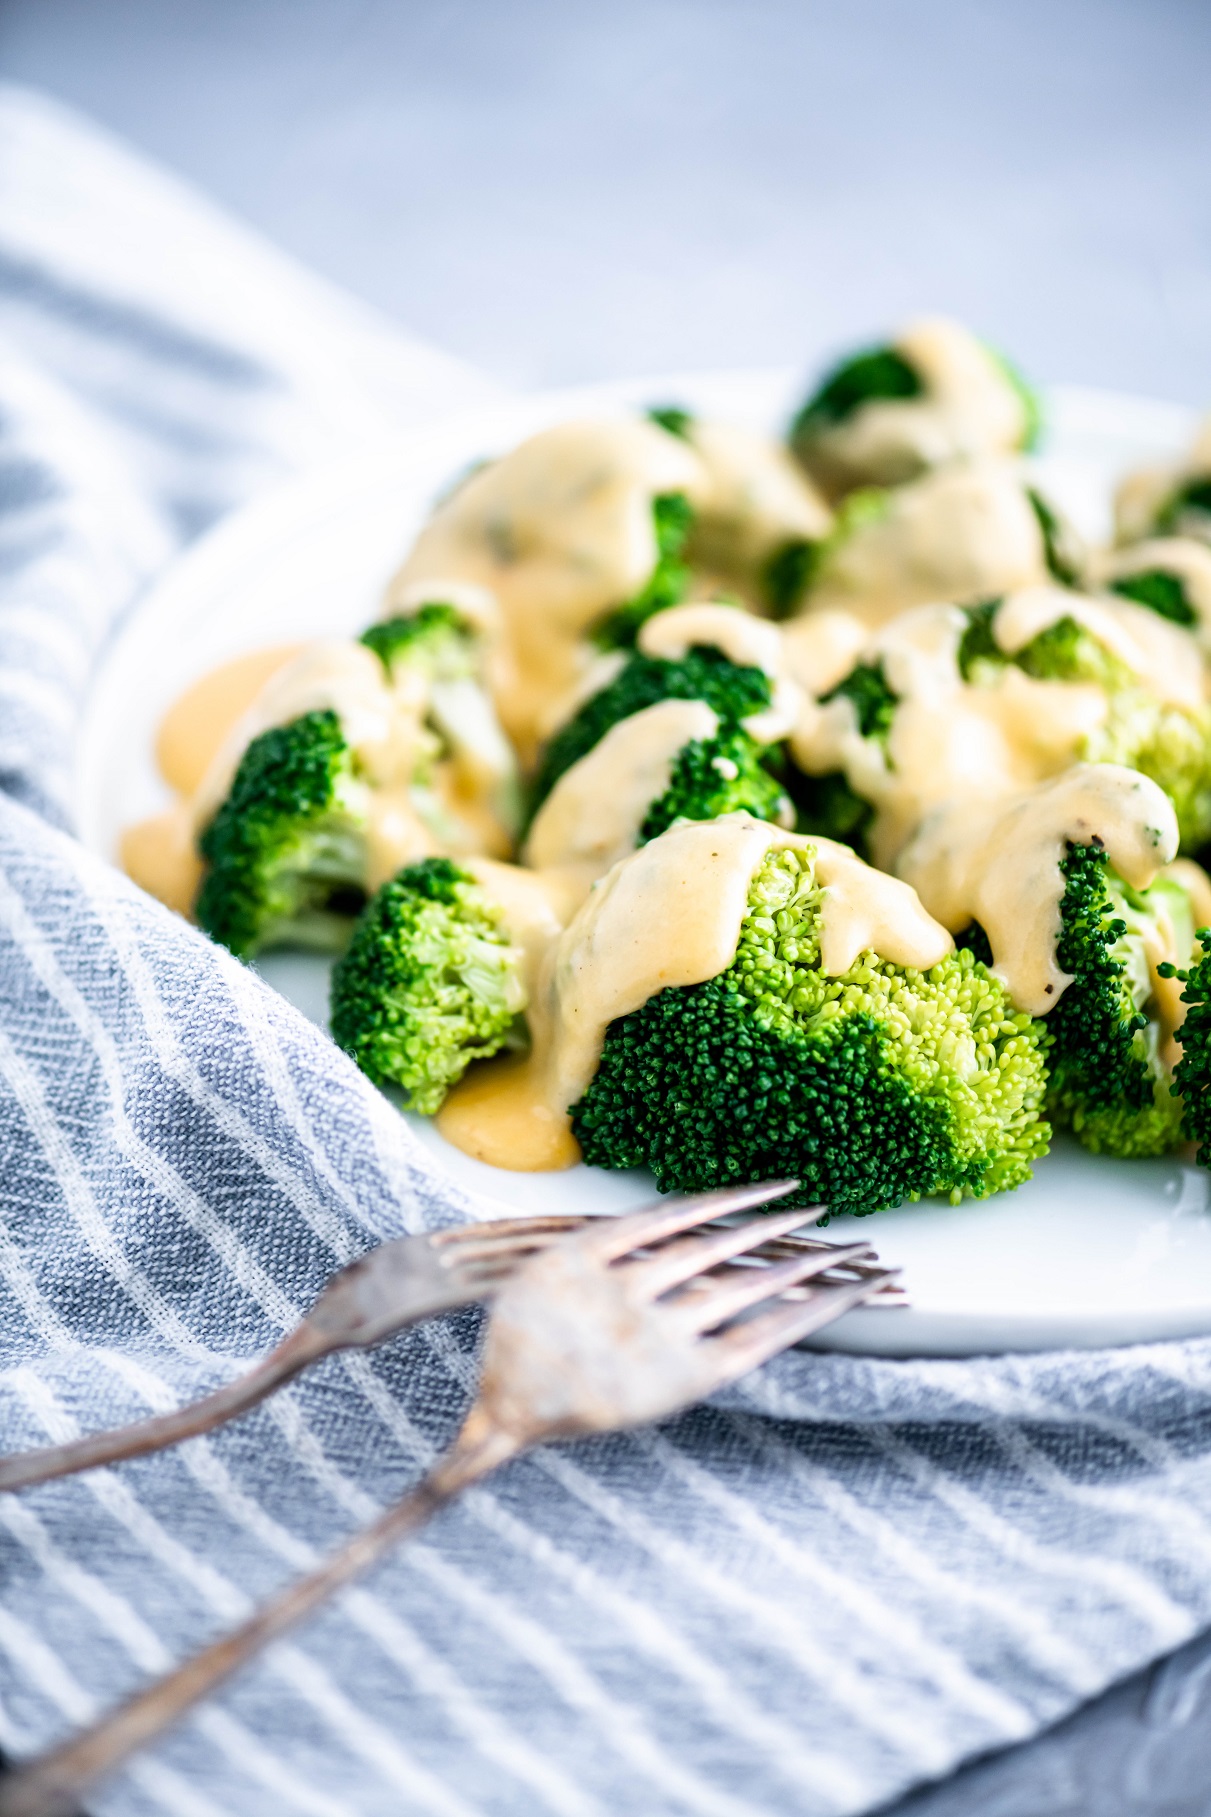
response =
{"points": [[840, 1579]]}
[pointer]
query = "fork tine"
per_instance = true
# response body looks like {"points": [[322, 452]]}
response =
{"points": [[608, 1238], [678, 1261], [721, 1297], [745, 1346]]}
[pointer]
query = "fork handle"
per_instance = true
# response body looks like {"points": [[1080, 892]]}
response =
{"points": [[53, 1784], [304, 1345]]}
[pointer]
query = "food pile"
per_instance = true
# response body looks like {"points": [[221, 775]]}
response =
{"points": [[738, 808]]}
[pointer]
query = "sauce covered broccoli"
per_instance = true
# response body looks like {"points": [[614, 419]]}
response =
{"points": [[878, 1084]]}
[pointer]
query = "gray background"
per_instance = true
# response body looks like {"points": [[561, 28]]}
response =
{"points": [[564, 192]]}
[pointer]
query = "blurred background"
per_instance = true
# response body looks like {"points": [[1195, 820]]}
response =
{"points": [[562, 191]]}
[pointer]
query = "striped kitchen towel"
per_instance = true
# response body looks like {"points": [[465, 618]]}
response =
{"points": [[837, 1581]]}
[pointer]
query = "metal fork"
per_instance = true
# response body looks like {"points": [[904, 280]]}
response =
{"points": [[393, 1286], [611, 1326]]}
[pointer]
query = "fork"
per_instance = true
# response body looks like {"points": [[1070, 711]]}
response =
{"points": [[621, 1322], [394, 1285]]}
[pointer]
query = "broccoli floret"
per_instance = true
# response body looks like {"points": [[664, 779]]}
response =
{"points": [[1192, 1075], [1061, 551], [787, 575], [876, 373], [1187, 512], [827, 804], [876, 1086], [874, 702], [430, 982], [1168, 744], [1107, 1081], [1162, 592], [704, 673], [673, 419], [286, 851], [673, 518], [436, 639], [714, 776]]}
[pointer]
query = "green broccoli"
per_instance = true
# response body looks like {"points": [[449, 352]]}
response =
{"points": [[1192, 1075], [1108, 1084], [704, 673], [875, 374], [876, 1086], [286, 851], [672, 418], [788, 574], [429, 983], [1062, 551], [436, 639], [1187, 511], [827, 804], [1165, 742], [714, 776], [673, 518], [1162, 592], [885, 375]]}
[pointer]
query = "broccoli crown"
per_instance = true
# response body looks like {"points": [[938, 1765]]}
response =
{"points": [[1060, 549], [1107, 1082], [673, 419], [704, 673], [877, 372], [1192, 1075], [713, 776], [873, 700], [286, 850], [436, 639], [666, 585], [788, 574], [1187, 508], [876, 1086], [429, 983], [1161, 592], [1166, 743]]}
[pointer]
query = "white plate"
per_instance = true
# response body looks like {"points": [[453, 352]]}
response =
{"points": [[1092, 1252]]}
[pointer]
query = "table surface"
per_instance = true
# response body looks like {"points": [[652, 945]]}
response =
{"points": [[561, 192]]}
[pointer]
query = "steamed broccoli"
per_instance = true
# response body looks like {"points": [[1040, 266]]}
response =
{"points": [[787, 575], [704, 673], [1062, 551], [1192, 1075], [1162, 591], [1187, 511], [436, 639], [1108, 1084], [286, 851], [666, 585], [877, 373], [1165, 742], [827, 804], [876, 1086], [888, 375], [429, 983], [714, 776]]}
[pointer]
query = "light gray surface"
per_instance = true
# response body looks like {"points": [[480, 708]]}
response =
{"points": [[564, 191], [567, 191]]}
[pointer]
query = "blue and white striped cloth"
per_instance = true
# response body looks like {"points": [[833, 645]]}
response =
{"points": [[840, 1580]]}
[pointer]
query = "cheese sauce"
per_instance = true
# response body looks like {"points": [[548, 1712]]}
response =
{"points": [[998, 863], [669, 914], [964, 533], [755, 499], [948, 739], [560, 531]]}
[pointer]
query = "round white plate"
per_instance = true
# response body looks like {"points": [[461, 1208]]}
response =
{"points": [[1093, 1251]]}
